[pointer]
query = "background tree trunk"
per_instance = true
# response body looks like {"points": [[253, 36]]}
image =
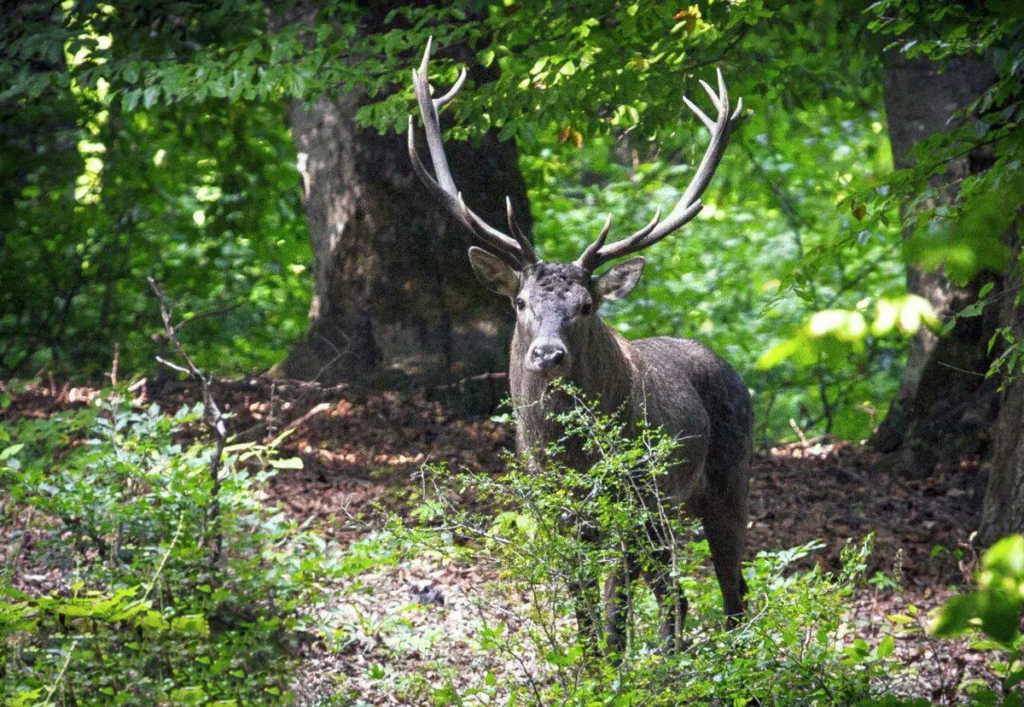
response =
{"points": [[945, 405], [1003, 509], [394, 298]]}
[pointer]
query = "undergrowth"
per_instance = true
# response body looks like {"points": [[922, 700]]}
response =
{"points": [[144, 577], [556, 528], [139, 567]]}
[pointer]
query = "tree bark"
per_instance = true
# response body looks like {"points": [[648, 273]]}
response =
{"points": [[945, 404], [1003, 509], [394, 298]]}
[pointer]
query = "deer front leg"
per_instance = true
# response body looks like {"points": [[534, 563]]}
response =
{"points": [[618, 596], [586, 599], [673, 604]]}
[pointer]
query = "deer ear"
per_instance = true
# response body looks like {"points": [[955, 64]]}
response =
{"points": [[494, 272], [619, 280]]}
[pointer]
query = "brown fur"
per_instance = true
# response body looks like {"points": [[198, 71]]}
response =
{"points": [[677, 385]]}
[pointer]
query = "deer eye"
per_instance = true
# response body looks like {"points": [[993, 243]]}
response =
{"points": [[586, 309], [520, 304]]}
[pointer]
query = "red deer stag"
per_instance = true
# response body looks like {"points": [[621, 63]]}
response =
{"points": [[677, 385]]}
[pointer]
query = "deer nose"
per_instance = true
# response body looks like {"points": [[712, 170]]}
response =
{"points": [[548, 356]]}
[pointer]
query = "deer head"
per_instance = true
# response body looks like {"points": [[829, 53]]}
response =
{"points": [[556, 303]]}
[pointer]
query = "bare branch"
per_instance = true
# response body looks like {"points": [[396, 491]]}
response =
{"points": [[213, 418]]}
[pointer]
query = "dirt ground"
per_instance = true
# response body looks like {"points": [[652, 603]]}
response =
{"points": [[363, 452]]}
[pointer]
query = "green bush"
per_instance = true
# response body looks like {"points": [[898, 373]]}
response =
{"points": [[556, 527], [169, 586], [994, 609]]}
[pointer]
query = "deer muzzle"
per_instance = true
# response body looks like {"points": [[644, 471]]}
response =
{"points": [[547, 357]]}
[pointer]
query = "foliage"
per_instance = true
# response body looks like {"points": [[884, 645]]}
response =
{"points": [[165, 588], [742, 280], [979, 231], [174, 161], [995, 609], [207, 202], [557, 528], [971, 236], [166, 154]]}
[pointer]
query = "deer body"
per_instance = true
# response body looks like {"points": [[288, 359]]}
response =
{"points": [[677, 385]]}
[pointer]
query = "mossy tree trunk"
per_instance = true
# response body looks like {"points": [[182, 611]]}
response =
{"points": [[1003, 510]]}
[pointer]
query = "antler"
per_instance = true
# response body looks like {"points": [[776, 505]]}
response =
{"points": [[516, 248], [597, 253]]}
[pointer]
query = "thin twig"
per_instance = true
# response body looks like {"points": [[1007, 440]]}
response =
{"points": [[213, 418], [63, 669]]}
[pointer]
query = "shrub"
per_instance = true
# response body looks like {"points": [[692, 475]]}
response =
{"points": [[994, 609], [163, 584], [551, 528]]}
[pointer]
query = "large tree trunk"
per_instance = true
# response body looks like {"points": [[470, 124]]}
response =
{"points": [[945, 405], [1003, 510], [394, 298]]}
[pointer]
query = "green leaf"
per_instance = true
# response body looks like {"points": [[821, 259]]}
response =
{"points": [[1004, 559], [955, 616], [11, 451], [192, 624], [150, 95]]}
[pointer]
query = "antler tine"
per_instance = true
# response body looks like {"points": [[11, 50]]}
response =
{"points": [[619, 248], [588, 261], [517, 232], [738, 113], [711, 94], [443, 185], [689, 205], [488, 233], [708, 123], [453, 91]]}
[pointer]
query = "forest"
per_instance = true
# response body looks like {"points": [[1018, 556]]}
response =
{"points": [[310, 385]]}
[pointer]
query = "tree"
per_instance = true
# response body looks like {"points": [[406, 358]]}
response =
{"points": [[571, 85], [392, 289], [945, 402], [968, 193], [100, 192], [1003, 510], [393, 294]]}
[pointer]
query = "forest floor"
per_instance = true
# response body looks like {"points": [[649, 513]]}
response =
{"points": [[363, 455]]}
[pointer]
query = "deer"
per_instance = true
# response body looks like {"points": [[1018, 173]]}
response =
{"points": [[677, 385]]}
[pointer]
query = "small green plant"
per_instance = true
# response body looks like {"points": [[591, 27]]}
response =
{"points": [[994, 609], [153, 598]]}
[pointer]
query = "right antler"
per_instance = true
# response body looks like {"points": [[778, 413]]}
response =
{"points": [[597, 253], [443, 187]]}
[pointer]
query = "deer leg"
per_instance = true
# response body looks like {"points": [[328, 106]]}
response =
{"points": [[586, 598], [726, 530], [673, 603], [618, 604]]}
